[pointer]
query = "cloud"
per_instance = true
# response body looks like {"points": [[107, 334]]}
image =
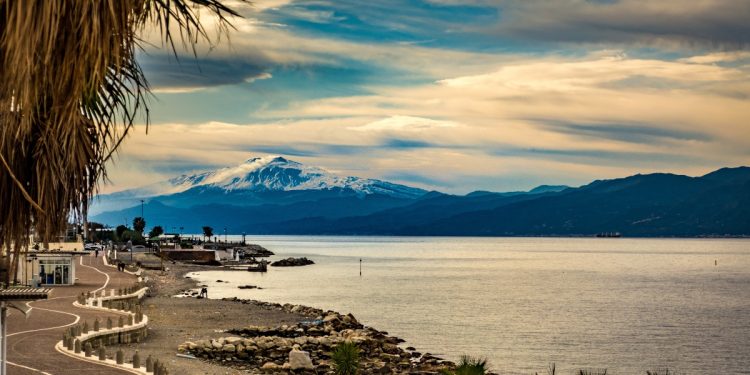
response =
{"points": [[632, 133], [714, 24], [597, 108], [404, 124], [718, 57], [490, 101], [167, 75]]}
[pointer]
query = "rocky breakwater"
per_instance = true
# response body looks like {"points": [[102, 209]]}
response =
{"points": [[255, 251], [292, 262], [306, 348]]}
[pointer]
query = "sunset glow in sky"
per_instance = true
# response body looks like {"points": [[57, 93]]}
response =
{"points": [[457, 95]]}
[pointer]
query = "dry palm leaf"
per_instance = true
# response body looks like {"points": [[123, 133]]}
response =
{"points": [[70, 89]]}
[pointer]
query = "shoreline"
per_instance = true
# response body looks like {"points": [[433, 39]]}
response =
{"points": [[176, 323]]}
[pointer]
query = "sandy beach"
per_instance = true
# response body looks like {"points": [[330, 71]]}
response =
{"points": [[183, 327], [175, 320]]}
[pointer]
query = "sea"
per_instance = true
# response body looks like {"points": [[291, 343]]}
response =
{"points": [[625, 305]]}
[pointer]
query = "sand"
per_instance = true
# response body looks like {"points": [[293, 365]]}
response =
{"points": [[173, 321]]}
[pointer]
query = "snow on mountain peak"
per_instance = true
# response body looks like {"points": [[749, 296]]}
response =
{"points": [[276, 173]]}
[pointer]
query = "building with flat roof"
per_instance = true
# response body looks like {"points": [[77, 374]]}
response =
{"points": [[53, 266]]}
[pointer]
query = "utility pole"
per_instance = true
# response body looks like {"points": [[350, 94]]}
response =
{"points": [[225, 234]]}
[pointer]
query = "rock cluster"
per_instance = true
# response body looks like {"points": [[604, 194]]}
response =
{"points": [[292, 262], [280, 349], [248, 286], [287, 307], [256, 251]]}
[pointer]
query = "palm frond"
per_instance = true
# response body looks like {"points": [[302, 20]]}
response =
{"points": [[70, 91]]}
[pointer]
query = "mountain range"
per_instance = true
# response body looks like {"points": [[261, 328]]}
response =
{"points": [[274, 195]]}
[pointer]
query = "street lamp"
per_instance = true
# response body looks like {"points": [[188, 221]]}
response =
{"points": [[225, 234]]}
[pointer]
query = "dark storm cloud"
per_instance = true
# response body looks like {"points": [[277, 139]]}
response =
{"points": [[632, 133], [721, 24], [165, 71]]}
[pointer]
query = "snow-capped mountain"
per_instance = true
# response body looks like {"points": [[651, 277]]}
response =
{"points": [[251, 182], [280, 174]]}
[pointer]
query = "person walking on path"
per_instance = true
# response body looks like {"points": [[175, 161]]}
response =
{"points": [[204, 293], [96, 253]]}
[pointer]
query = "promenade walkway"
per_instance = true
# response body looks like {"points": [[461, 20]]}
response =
{"points": [[31, 342]]}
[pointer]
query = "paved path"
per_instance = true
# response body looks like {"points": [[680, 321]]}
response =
{"points": [[31, 342]]}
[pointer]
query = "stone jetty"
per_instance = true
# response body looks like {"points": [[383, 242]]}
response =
{"points": [[292, 262], [287, 347]]}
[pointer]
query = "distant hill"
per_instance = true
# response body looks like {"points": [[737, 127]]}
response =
{"points": [[642, 206], [273, 198]]}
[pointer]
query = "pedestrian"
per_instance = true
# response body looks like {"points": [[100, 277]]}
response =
{"points": [[96, 253], [204, 292]]}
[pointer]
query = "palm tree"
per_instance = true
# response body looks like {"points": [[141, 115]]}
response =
{"points": [[139, 224], [469, 366], [208, 232], [70, 90], [156, 231]]}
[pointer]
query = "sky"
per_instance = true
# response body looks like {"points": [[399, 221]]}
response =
{"points": [[454, 95]]}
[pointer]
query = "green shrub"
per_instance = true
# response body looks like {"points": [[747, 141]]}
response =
{"points": [[345, 359], [469, 366]]}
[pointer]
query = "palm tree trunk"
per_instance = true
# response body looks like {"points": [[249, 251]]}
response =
{"points": [[85, 214], [16, 259]]}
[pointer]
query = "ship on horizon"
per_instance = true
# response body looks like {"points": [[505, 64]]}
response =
{"points": [[609, 235]]}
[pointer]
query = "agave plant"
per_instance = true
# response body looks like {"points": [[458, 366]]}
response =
{"points": [[70, 90], [469, 366], [345, 358]]}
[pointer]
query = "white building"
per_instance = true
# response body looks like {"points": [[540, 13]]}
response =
{"points": [[56, 266]]}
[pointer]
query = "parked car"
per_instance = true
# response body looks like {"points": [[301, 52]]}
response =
{"points": [[139, 249], [92, 247]]}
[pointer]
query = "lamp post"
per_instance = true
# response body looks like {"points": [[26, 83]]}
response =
{"points": [[142, 209], [225, 234]]}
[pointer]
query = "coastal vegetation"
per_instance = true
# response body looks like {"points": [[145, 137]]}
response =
{"points": [[139, 224], [208, 232], [156, 231], [345, 358], [468, 365]]}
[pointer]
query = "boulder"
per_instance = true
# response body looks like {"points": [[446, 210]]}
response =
{"points": [[292, 262], [300, 360], [270, 367]]}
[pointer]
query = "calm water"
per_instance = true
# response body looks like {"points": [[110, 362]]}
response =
{"points": [[624, 304]]}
